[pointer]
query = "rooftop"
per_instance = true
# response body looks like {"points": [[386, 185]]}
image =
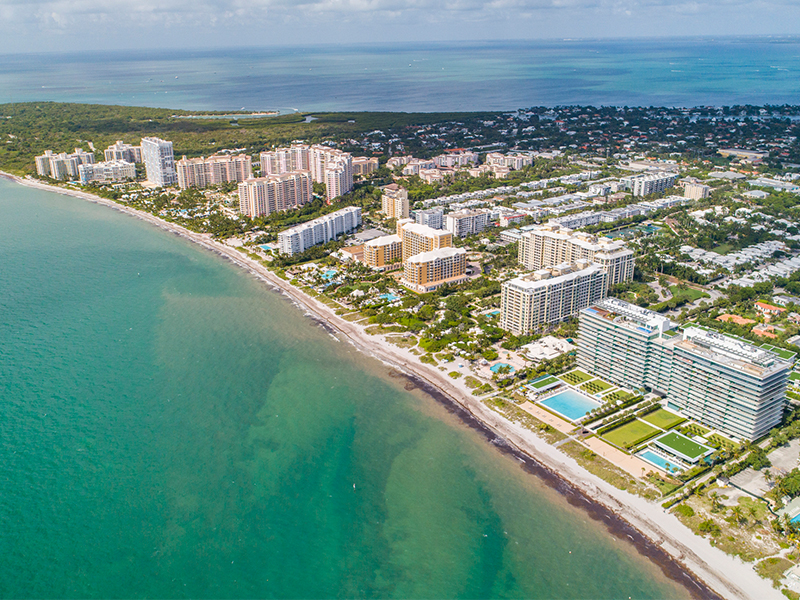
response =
{"points": [[436, 254]]}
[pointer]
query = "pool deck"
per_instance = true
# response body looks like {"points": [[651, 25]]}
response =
{"points": [[548, 417], [630, 464]]}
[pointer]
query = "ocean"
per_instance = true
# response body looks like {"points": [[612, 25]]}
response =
{"points": [[430, 77], [171, 427]]}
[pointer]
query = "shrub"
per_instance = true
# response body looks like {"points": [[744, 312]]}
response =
{"points": [[708, 526], [685, 510]]}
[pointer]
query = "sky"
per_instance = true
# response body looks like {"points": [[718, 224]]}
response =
{"points": [[74, 25]]}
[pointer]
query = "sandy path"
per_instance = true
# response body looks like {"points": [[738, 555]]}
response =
{"points": [[728, 576]]}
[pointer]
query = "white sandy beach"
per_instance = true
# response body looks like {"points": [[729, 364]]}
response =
{"points": [[728, 576]]}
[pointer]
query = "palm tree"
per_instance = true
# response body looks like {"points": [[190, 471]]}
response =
{"points": [[716, 503], [753, 512], [737, 513]]}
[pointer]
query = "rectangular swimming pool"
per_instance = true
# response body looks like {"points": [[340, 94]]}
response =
{"points": [[570, 404], [659, 461]]}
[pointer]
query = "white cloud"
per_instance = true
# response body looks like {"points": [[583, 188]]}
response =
{"points": [[240, 22]]}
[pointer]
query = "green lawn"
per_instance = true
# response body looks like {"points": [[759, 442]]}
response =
{"points": [[543, 382], [690, 293], [695, 429], [575, 377], [782, 352], [630, 434], [663, 418], [616, 396], [720, 442], [723, 248], [595, 387], [682, 445]]}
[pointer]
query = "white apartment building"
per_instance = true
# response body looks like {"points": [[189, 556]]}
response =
{"points": [[536, 301], [720, 381], [514, 162], [431, 217], [548, 245], [319, 231], [578, 220], [431, 270], [467, 222], [159, 161], [110, 170], [649, 183], [462, 158], [122, 151], [263, 196], [398, 161], [202, 172], [63, 165], [394, 202]]}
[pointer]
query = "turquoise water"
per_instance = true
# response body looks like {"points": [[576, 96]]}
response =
{"points": [[571, 404], [171, 428], [659, 461], [497, 366], [421, 76]]}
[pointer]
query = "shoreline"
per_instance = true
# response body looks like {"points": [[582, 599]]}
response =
{"points": [[689, 560]]}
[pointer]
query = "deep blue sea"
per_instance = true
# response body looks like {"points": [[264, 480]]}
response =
{"points": [[421, 77]]}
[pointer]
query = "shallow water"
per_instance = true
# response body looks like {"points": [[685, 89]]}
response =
{"points": [[173, 428]]}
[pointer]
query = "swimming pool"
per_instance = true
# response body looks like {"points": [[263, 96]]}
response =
{"points": [[659, 461], [570, 404], [329, 274], [389, 297], [498, 366]]}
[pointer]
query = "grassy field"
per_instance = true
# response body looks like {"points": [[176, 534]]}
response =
{"points": [[542, 382], [683, 445], [694, 429], [690, 293], [723, 248], [575, 377], [616, 396], [595, 387], [630, 434], [663, 419]]}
